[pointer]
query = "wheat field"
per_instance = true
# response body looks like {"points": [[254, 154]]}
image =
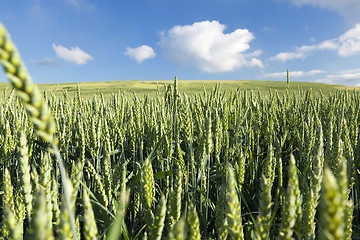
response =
{"points": [[241, 165]]}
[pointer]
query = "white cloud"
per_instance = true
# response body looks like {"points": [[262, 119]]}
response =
{"points": [[205, 45], [348, 77], [346, 45], [292, 74], [327, 45], [348, 8], [46, 61], [350, 42], [300, 52], [141, 53], [73, 55]]}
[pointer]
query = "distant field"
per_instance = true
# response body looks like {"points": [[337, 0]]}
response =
{"points": [[190, 87]]}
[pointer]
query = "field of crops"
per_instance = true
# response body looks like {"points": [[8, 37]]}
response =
{"points": [[210, 166], [174, 167], [190, 87]]}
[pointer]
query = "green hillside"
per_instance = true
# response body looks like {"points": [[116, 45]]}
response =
{"points": [[190, 87]]}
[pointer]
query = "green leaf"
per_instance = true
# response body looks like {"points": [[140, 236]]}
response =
{"points": [[163, 174]]}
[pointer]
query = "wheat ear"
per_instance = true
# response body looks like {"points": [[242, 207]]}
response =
{"points": [[178, 232], [39, 222], [331, 209], [289, 214], [25, 173], [31, 98], [157, 224], [234, 220], [13, 228], [90, 228], [192, 224], [263, 224]]}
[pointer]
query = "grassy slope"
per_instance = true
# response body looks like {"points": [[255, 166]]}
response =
{"points": [[88, 89]]}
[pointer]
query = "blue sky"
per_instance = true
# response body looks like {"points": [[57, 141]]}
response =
{"points": [[107, 40]]}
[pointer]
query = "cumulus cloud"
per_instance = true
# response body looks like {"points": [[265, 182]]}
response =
{"points": [[141, 53], [348, 77], [293, 74], [73, 55], [346, 45], [46, 61], [349, 42], [348, 8], [205, 45]]}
